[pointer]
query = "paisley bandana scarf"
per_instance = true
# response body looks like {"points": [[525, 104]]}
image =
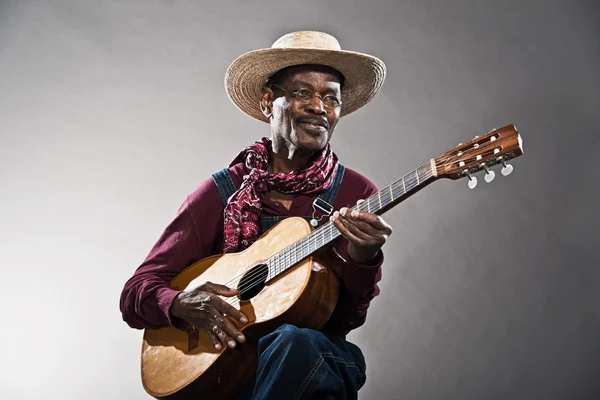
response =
{"points": [[243, 210]]}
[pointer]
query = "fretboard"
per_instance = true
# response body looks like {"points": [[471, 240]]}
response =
{"points": [[378, 203]]}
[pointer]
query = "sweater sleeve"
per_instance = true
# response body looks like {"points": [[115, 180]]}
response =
{"points": [[358, 283], [146, 298]]}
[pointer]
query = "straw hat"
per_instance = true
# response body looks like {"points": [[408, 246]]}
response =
{"points": [[248, 74]]}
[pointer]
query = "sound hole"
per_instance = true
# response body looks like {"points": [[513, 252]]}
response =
{"points": [[253, 282]]}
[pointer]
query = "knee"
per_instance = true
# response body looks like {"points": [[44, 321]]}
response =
{"points": [[291, 337]]}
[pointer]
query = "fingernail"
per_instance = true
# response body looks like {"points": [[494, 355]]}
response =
{"points": [[231, 344], [243, 320], [355, 213], [241, 338], [343, 211], [336, 214], [218, 346]]}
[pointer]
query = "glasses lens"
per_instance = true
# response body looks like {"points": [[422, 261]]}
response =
{"points": [[331, 102], [304, 95]]}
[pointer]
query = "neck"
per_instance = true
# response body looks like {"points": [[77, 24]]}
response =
{"points": [[285, 157]]}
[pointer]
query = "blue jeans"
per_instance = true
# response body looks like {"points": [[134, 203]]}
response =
{"points": [[295, 363]]}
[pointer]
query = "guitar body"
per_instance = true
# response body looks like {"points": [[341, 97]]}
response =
{"points": [[183, 364]]}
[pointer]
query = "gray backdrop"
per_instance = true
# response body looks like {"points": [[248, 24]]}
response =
{"points": [[111, 112]]}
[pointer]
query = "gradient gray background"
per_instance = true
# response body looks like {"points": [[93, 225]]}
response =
{"points": [[111, 112]]}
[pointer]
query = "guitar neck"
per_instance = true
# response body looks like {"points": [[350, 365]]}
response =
{"points": [[378, 203]]}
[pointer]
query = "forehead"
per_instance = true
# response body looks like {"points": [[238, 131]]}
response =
{"points": [[316, 75]]}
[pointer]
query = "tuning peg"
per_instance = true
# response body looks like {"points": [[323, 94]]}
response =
{"points": [[489, 175], [507, 169], [472, 181]]}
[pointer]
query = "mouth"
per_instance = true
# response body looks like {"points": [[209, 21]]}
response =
{"points": [[314, 125]]}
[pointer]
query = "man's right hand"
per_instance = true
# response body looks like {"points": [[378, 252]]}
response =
{"points": [[204, 309]]}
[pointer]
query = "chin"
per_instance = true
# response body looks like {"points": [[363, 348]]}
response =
{"points": [[310, 141]]}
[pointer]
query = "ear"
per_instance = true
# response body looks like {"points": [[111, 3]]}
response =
{"points": [[266, 102]]}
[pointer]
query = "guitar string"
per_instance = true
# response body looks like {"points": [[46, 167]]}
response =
{"points": [[256, 277], [322, 232], [363, 207]]}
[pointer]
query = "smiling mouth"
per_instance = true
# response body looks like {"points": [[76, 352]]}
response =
{"points": [[313, 125]]}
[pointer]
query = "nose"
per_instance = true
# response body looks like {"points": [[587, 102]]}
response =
{"points": [[316, 106]]}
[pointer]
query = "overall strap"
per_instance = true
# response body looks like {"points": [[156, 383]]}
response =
{"points": [[226, 188], [225, 184], [330, 194]]}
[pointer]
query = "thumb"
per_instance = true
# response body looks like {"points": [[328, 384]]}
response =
{"points": [[221, 290]]}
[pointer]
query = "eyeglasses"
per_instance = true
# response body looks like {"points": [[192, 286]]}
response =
{"points": [[330, 102]]}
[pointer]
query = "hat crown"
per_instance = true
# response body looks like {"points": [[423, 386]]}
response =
{"points": [[307, 40]]}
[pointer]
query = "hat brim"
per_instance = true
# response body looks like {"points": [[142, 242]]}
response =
{"points": [[248, 74]]}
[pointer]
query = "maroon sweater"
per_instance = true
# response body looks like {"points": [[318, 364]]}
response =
{"points": [[197, 232]]}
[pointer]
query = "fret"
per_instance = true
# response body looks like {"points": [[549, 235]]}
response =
{"points": [[273, 267], [270, 273], [305, 246], [302, 247], [319, 238], [411, 181], [396, 189], [295, 252], [287, 258], [280, 263]]}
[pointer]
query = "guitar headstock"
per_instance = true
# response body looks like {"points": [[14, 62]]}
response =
{"points": [[481, 153]]}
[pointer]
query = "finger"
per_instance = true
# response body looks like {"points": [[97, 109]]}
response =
{"points": [[370, 219], [221, 290], [214, 339], [223, 336], [366, 232], [358, 228], [230, 310], [226, 325], [345, 232]]}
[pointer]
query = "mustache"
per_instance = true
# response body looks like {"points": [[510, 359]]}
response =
{"points": [[317, 121]]}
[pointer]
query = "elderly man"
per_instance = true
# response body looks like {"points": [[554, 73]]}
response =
{"points": [[301, 86]]}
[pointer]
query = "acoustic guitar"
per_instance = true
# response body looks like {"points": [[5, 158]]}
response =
{"points": [[286, 277]]}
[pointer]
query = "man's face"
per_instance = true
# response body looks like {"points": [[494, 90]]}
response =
{"points": [[307, 125]]}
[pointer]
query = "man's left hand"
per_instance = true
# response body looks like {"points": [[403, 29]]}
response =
{"points": [[366, 232]]}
